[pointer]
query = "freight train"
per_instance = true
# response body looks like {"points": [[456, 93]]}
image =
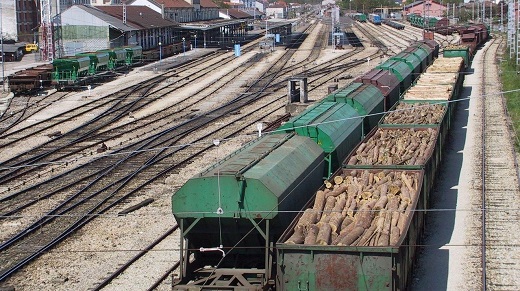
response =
{"points": [[361, 230], [232, 214], [87, 67], [439, 25], [393, 24], [472, 37]]}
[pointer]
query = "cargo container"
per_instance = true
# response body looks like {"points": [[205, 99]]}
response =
{"points": [[317, 267], [434, 46], [98, 61], [423, 53], [360, 17], [134, 54], [431, 113], [117, 57], [69, 70], [441, 81], [461, 51]]}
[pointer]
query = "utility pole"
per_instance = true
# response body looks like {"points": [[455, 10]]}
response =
{"points": [[484, 11], [48, 39], [501, 28], [454, 11], [2, 46]]}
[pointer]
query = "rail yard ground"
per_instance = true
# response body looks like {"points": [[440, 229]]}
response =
{"points": [[448, 259]]}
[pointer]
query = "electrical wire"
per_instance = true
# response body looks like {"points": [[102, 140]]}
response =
{"points": [[253, 134]]}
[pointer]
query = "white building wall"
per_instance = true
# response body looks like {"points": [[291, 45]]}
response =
{"points": [[78, 17], [275, 12], [9, 30], [223, 15], [147, 4], [260, 6]]}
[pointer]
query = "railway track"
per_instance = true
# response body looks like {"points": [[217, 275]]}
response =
{"points": [[24, 107], [99, 185], [142, 256], [148, 159], [145, 162], [500, 191], [100, 134]]}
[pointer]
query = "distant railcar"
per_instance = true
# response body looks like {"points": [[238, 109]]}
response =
{"points": [[374, 18], [360, 17]]}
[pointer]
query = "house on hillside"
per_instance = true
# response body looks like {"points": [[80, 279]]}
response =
{"points": [[277, 10], [426, 8]]}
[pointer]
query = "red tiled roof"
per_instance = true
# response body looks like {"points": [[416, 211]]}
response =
{"points": [[208, 4], [140, 16], [174, 3]]}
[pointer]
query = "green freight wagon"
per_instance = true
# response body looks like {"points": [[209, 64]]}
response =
{"points": [[134, 54], [454, 51], [400, 70], [423, 52], [412, 61], [366, 99], [336, 127], [242, 204], [70, 70], [443, 111], [117, 57], [385, 136], [98, 61], [360, 17], [386, 82]]}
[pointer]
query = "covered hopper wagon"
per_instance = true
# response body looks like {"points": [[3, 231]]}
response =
{"points": [[240, 206]]}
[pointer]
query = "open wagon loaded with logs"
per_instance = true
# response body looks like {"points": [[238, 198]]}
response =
{"points": [[415, 113], [360, 208], [360, 232], [395, 146]]}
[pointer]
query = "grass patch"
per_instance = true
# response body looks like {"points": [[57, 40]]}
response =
{"points": [[510, 76]]}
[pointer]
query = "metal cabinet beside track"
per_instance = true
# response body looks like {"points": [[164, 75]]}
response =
{"points": [[243, 203]]}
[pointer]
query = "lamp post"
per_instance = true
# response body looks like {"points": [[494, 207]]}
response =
{"points": [[160, 53], [195, 41], [183, 46]]}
